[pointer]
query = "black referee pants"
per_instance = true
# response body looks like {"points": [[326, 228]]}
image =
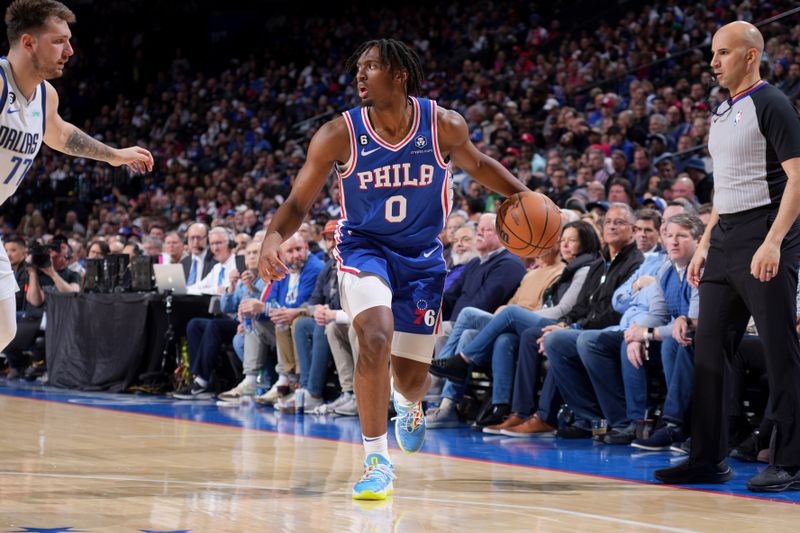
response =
{"points": [[729, 294]]}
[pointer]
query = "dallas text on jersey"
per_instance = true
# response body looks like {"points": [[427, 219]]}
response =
{"points": [[18, 141]]}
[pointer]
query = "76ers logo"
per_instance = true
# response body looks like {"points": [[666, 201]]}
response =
{"points": [[420, 141], [423, 313]]}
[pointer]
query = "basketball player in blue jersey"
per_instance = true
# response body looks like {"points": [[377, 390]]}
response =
{"points": [[38, 33], [391, 156]]}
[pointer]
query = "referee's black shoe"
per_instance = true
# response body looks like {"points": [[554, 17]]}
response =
{"points": [[692, 473], [775, 479]]}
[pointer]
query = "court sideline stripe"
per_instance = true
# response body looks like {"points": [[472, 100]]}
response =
{"points": [[327, 439]]}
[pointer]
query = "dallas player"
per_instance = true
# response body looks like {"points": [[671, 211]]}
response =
{"points": [[391, 156], [38, 33]]}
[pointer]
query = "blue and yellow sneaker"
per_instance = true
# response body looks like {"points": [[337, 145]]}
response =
{"points": [[376, 481], [409, 427]]}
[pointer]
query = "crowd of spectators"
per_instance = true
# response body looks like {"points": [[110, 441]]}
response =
{"points": [[613, 110]]}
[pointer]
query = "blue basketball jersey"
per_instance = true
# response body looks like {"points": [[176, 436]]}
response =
{"points": [[398, 195]]}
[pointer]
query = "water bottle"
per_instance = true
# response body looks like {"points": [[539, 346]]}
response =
{"points": [[299, 400], [261, 383], [565, 416], [248, 324]]}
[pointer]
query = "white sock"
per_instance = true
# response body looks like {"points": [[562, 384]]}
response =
{"points": [[283, 379], [200, 381], [249, 380], [379, 445], [401, 401]]}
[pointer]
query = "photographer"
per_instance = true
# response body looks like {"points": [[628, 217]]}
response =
{"points": [[47, 268]]}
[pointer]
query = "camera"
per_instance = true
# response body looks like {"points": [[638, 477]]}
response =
{"points": [[40, 254]]}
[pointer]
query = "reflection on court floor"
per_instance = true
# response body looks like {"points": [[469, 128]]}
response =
{"points": [[100, 462]]}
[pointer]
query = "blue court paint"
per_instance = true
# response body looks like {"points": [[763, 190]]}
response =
{"points": [[579, 456]]}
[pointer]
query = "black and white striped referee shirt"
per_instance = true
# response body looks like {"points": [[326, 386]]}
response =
{"points": [[749, 138]]}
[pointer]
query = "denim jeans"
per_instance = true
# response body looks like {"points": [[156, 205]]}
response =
{"points": [[313, 354], [572, 380], [513, 319], [678, 364], [238, 346], [600, 352], [468, 318], [526, 381]]}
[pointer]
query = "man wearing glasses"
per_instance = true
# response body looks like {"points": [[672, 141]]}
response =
{"points": [[200, 261]]}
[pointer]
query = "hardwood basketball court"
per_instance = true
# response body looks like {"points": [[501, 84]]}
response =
{"points": [[93, 462]]}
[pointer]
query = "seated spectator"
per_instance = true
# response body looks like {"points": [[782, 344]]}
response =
{"points": [[152, 245], [463, 251], [593, 311], [242, 240], [205, 336], [455, 220], [540, 299], [619, 190], [682, 234], [683, 187], [646, 231], [132, 249], [98, 250], [173, 249], [51, 272], [216, 281], [489, 280], [310, 339], [285, 300], [200, 260]]}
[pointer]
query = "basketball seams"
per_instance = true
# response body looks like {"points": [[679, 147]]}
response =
{"points": [[512, 230], [501, 219]]}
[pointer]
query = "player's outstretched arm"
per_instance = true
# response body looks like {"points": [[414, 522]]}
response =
{"points": [[67, 138], [454, 139], [329, 145]]}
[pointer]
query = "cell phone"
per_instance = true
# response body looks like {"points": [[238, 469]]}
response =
{"points": [[240, 264]]}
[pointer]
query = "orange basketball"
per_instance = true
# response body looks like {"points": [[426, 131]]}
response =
{"points": [[528, 223]]}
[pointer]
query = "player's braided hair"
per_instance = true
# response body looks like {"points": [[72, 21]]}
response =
{"points": [[399, 57]]}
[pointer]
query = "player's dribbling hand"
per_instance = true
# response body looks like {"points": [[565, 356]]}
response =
{"points": [[270, 267], [695, 269], [138, 159]]}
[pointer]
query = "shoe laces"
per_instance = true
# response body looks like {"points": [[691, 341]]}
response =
{"points": [[380, 471], [411, 419]]}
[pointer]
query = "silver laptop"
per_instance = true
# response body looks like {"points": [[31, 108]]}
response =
{"points": [[170, 277]]}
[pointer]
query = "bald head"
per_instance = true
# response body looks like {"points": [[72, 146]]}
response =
{"points": [[737, 49], [747, 34]]}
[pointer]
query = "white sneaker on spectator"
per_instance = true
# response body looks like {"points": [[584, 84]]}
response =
{"points": [[269, 397], [347, 407], [310, 403], [236, 393], [327, 408]]}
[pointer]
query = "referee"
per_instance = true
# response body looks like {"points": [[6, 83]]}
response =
{"points": [[750, 252]]}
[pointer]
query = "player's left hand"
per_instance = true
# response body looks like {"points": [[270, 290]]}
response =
{"points": [[764, 265], [137, 158]]}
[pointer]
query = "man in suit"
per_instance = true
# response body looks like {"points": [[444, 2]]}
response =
{"points": [[200, 260]]}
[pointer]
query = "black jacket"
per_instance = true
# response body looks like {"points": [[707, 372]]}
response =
{"points": [[593, 309], [326, 291], [554, 293]]}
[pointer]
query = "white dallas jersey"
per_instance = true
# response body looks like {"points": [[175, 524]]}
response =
{"points": [[21, 130]]}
